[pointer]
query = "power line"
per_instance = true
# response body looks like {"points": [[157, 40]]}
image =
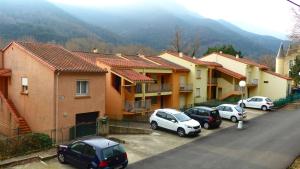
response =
{"points": [[293, 3]]}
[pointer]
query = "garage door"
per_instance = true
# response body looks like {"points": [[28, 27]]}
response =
{"points": [[85, 125]]}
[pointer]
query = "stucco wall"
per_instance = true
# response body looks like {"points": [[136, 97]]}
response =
{"points": [[226, 83], [275, 88], [70, 104], [38, 106]]}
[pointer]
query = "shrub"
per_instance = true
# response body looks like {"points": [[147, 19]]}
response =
{"points": [[284, 101], [24, 144]]}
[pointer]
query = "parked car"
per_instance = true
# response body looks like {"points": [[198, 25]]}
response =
{"points": [[232, 112], [207, 117], [93, 153], [174, 120], [257, 102]]}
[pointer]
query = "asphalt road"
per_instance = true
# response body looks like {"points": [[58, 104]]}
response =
{"points": [[271, 141]]}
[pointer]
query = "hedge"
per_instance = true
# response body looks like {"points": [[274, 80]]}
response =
{"points": [[24, 144], [284, 101]]}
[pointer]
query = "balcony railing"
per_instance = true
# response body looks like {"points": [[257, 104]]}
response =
{"points": [[253, 82], [153, 88], [212, 81], [186, 87], [138, 88], [137, 106]]}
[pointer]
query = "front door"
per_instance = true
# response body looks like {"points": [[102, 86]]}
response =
{"points": [[182, 101]]}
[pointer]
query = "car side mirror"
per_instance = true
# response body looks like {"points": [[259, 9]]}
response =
{"points": [[174, 121]]}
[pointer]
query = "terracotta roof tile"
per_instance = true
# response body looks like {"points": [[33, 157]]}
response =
{"points": [[231, 73], [242, 60], [58, 58], [278, 75], [193, 60], [132, 75], [168, 64]]}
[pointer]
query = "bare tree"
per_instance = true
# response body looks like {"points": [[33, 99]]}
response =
{"points": [[195, 45], [176, 43], [295, 33], [268, 60]]}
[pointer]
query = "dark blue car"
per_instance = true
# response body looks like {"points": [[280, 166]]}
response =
{"points": [[93, 153]]}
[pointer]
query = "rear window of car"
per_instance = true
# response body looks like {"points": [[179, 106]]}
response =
{"points": [[268, 100], [215, 113], [113, 151], [239, 109]]}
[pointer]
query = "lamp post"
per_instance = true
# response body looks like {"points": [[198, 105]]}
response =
{"points": [[242, 85]]}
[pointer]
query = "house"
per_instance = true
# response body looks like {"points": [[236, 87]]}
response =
{"points": [[137, 85], [46, 88], [259, 78]]}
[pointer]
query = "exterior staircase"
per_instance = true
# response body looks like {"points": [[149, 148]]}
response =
{"points": [[23, 125], [233, 93]]}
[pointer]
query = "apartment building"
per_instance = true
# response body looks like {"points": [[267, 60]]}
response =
{"points": [[259, 78], [45, 87], [137, 85]]}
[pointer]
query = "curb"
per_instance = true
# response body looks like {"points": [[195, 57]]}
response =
{"points": [[27, 160]]}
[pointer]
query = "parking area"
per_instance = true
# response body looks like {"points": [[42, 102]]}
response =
{"points": [[139, 147]]}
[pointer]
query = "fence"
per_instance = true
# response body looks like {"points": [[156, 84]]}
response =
{"points": [[284, 101], [137, 106]]}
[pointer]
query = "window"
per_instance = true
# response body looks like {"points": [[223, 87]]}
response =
{"points": [[78, 147], [229, 109], [198, 73], [182, 117], [198, 92], [266, 81], [161, 114], [82, 88], [24, 82], [114, 151], [170, 117], [89, 151], [221, 108], [259, 100], [291, 63]]}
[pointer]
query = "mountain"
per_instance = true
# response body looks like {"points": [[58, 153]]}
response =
{"points": [[154, 25], [45, 22]]}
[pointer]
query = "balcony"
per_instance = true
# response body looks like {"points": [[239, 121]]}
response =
{"points": [[158, 88], [212, 81], [137, 106], [252, 83], [186, 88]]}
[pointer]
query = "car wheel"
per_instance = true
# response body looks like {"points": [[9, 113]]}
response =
{"points": [[61, 158], [233, 119], [264, 108], [90, 167], [154, 125], [181, 132], [242, 105], [206, 125]]}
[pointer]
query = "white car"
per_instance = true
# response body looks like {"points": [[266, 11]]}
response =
{"points": [[233, 112], [175, 121], [258, 102]]}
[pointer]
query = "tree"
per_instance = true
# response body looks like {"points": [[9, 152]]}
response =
{"points": [[295, 33], [294, 73], [195, 46], [227, 49], [268, 60], [176, 43]]}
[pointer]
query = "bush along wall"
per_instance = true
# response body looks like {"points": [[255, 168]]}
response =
{"points": [[24, 144], [284, 101]]}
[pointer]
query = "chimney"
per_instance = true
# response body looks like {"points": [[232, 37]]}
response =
{"points": [[237, 56], [180, 54], [119, 54], [95, 50], [141, 55], [221, 52]]}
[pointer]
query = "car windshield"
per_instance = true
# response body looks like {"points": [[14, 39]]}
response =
{"points": [[113, 151], [268, 100], [182, 117], [238, 108]]}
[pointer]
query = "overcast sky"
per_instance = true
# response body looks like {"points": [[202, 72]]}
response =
{"points": [[271, 17]]}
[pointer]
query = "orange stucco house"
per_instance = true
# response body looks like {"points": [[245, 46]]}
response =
{"points": [[137, 85], [45, 87]]}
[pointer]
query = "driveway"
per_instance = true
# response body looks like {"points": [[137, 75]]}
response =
{"points": [[140, 147], [271, 141]]}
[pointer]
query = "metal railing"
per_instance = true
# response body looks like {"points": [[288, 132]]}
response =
{"points": [[185, 87], [253, 82], [139, 88], [137, 106], [153, 88]]}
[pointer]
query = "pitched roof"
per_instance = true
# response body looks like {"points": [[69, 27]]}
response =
{"points": [[58, 59], [132, 75], [242, 60], [119, 62], [166, 63], [277, 74], [192, 60], [230, 73]]}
